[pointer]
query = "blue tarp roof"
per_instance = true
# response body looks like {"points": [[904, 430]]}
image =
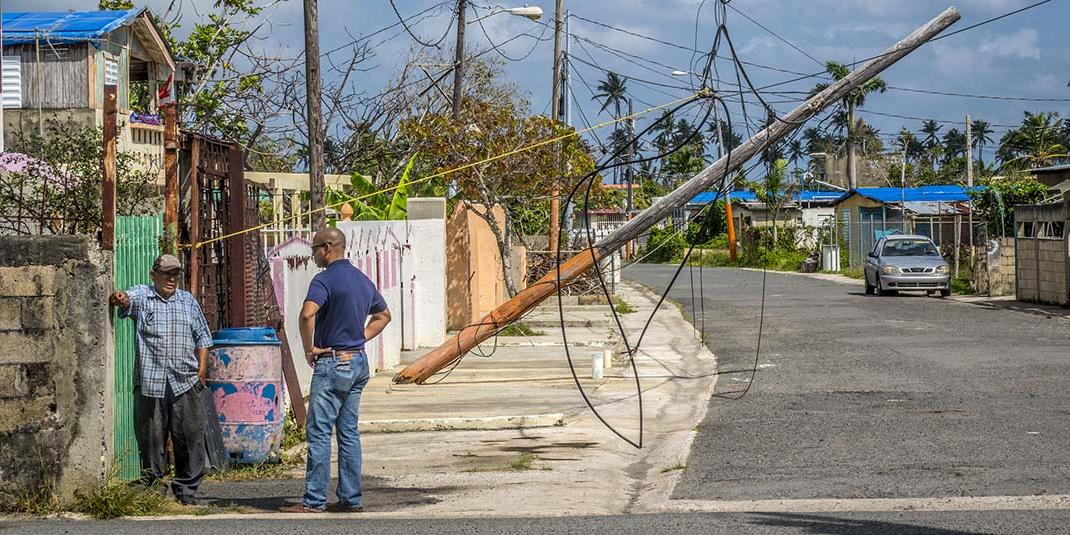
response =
{"points": [[749, 196], [63, 27], [944, 193]]}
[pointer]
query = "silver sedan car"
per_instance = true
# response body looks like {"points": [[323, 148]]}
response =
{"points": [[906, 262]]}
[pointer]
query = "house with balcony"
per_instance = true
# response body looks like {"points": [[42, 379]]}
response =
{"points": [[56, 64]]}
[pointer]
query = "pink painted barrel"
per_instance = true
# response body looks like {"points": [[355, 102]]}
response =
{"points": [[245, 378]]}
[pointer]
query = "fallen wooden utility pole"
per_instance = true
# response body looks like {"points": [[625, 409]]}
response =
{"points": [[511, 310]]}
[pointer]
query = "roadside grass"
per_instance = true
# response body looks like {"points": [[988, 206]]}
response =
{"points": [[623, 307], [116, 498], [281, 469], [519, 329], [680, 467], [38, 502], [962, 287], [854, 273]]}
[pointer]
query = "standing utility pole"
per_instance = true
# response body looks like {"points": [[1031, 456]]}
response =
{"points": [[630, 173], [170, 177], [315, 113], [903, 189], [556, 114], [577, 265], [107, 165], [969, 175], [458, 61]]}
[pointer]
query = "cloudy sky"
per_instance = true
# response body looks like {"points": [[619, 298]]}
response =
{"points": [[1024, 56]]}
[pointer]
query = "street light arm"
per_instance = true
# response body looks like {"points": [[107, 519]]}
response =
{"points": [[528, 12]]}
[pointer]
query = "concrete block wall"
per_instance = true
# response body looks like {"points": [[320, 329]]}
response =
{"points": [[56, 367], [993, 270]]}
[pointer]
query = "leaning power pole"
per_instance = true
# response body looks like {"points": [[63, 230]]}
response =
{"points": [[555, 113], [315, 113], [577, 265]]}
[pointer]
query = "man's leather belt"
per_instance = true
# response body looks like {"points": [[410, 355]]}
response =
{"points": [[342, 356]]}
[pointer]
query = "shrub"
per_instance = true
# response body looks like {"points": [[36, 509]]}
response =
{"points": [[664, 245]]}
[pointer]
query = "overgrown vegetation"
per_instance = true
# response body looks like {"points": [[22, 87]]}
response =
{"points": [[116, 498], [55, 183], [623, 307], [520, 329]]}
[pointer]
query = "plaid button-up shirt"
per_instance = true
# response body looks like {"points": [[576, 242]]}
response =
{"points": [[167, 333]]}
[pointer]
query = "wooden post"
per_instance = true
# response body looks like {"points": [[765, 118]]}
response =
{"points": [[170, 166], [731, 227], [195, 215], [237, 259], [514, 308], [107, 234]]}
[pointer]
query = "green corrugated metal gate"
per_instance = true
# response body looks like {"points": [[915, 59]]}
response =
{"points": [[137, 243]]}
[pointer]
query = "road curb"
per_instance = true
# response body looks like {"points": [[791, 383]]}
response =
{"points": [[490, 423]]}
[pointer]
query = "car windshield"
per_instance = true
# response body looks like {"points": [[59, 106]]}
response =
{"points": [[910, 248]]}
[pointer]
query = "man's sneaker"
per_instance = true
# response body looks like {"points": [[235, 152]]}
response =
{"points": [[186, 500], [299, 508]]}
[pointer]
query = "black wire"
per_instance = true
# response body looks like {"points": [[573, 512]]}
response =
{"points": [[538, 40], [404, 22]]}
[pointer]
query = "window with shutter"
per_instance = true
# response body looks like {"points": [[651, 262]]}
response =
{"points": [[11, 86], [111, 71]]}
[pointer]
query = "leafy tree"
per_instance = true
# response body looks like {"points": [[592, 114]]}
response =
{"points": [[496, 122], [775, 192], [996, 200], [1038, 142], [113, 5], [954, 144], [58, 190]]}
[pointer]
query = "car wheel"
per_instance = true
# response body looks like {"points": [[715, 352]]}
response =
{"points": [[869, 287], [945, 293], [880, 290]]}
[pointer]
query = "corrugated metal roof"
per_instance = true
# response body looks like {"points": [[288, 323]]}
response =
{"points": [[63, 27], [934, 208]]}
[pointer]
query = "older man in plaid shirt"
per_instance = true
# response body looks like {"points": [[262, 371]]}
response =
{"points": [[172, 341]]}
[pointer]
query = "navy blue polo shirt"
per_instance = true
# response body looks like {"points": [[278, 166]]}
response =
{"points": [[346, 297]]}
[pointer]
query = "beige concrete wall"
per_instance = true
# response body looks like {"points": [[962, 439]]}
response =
{"points": [[475, 284], [56, 365]]}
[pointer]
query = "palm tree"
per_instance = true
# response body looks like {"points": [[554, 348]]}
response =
{"points": [[612, 91], [795, 152], [954, 144], [914, 148], [930, 128], [854, 99], [729, 137], [981, 132], [1038, 142]]}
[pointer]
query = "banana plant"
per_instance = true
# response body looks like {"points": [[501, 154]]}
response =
{"points": [[369, 202]]}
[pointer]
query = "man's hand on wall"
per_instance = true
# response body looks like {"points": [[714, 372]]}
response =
{"points": [[119, 299]]}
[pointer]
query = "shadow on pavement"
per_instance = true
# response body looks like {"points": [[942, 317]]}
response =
{"points": [[271, 494], [830, 525]]}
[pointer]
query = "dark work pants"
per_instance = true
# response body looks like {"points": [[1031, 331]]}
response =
{"points": [[181, 418]]}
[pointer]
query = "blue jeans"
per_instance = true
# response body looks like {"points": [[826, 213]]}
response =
{"points": [[335, 402]]}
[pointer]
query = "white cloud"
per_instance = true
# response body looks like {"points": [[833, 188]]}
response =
{"points": [[1021, 44]]}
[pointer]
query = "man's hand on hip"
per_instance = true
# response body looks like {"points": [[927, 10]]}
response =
{"points": [[311, 356]]}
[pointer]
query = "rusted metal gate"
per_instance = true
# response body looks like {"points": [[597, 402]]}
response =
{"points": [[228, 274]]}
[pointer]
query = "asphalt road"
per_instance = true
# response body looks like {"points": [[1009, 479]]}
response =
{"points": [[855, 397], [859, 396], [1044, 522]]}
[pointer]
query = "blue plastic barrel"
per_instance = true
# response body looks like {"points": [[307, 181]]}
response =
{"points": [[245, 378]]}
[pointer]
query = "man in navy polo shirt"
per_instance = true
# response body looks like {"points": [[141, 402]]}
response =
{"points": [[342, 311]]}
